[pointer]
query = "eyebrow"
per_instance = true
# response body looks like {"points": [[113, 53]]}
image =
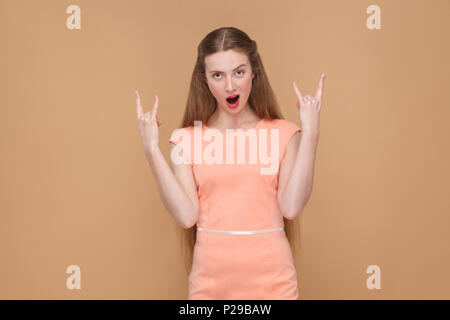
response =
{"points": [[233, 69]]}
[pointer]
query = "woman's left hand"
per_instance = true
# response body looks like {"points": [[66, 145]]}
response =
{"points": [[310, 108]]}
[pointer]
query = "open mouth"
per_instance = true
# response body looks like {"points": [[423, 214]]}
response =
{"points": [[233, 100]]}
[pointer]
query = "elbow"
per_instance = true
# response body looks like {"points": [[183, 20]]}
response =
{"points": [[193, 217], [292, 208], [289, 212], [285, 211], [188, 225], [292, 215]]}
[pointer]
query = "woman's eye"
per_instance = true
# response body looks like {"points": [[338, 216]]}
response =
{"points": [[215, 74]]}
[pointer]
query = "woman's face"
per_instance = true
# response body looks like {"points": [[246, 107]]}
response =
{"points": [[229, 73]]}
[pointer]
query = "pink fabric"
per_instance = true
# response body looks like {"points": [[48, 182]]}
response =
{"points": [[238, 197]]}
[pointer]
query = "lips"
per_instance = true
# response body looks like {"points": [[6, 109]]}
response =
{"points": [[232, 99]]}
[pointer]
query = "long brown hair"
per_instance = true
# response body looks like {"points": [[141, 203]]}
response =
{"points": [[201, 104]]}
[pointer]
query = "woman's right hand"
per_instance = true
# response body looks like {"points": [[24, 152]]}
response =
{"points": [[148, 124]]}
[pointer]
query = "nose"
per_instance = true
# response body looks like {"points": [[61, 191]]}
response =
{"points": [[229, 87]]}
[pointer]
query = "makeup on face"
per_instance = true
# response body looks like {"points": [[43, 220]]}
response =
{"points": [[229, 93], [233, 101]]}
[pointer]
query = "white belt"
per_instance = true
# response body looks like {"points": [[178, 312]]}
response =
{"points": [[240, 232]]}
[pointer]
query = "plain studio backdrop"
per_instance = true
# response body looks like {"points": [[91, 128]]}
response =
{"points": [[77, 190]]}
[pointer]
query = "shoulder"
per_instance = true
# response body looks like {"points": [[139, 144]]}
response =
{"points": [[179, 133], [288, 132], [285, 126], [188, 129]]}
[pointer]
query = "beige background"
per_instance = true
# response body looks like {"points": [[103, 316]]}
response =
{"points": [[76, 187]]}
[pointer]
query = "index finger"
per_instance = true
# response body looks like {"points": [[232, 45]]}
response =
{"points": [[297, 91], [139, 110], [320, 88]]}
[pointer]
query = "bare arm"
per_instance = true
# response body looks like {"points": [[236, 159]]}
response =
{"points": [[176, 187], [297, 174], [298, 165]]}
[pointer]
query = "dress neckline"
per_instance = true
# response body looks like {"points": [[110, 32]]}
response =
{"points": [[238, 129]]}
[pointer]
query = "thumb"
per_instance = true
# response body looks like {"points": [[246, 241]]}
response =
{"points": [[158, 120]]}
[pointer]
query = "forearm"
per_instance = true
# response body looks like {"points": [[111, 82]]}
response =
{"points": [[172, 194], [299, 186]]}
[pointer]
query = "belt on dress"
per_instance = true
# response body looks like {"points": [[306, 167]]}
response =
{"points": [[240, 232]]}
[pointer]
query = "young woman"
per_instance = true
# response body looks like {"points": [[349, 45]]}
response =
{"points": [[238, 222]]}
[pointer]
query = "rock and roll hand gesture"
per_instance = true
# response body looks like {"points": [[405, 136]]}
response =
{"points": [[310, 107], [148, 123]]}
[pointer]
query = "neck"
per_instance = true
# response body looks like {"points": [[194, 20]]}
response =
{"points": [[222, 119]]}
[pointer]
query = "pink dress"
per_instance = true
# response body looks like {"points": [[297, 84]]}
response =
{"points": [[238, 197]]}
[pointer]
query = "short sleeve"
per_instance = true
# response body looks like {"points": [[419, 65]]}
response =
{"points": [[291, 128], [182, 137], [287, 131]]}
